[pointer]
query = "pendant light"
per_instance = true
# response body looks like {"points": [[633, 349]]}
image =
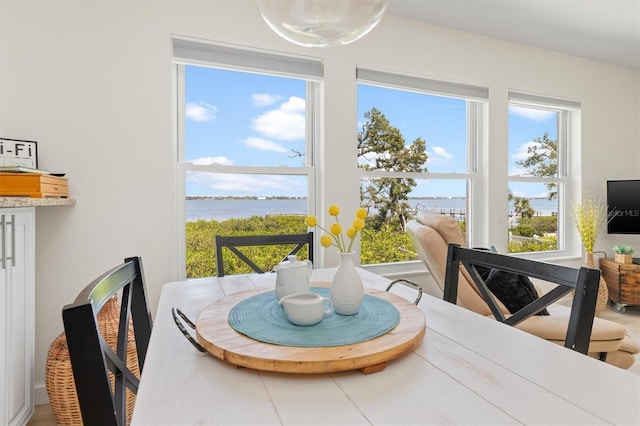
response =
{"points": [[321, 23]]}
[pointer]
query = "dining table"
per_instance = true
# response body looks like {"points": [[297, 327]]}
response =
{"points": [[464, 369]]}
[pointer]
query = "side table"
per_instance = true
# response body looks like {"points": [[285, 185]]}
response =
{"points": [[623, 282]]}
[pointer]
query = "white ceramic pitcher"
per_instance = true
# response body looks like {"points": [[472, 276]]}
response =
{"points": [[292, 276]]}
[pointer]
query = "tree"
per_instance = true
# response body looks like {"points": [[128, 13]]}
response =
{"points": [[522, 208], [382, 147], [542, 161]]}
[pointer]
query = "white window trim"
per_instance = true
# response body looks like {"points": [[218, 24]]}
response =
{"points": [[477, 99], [568, 179], [189, 51]]}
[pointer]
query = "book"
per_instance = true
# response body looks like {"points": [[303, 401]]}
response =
{"points": [[22, 169]]}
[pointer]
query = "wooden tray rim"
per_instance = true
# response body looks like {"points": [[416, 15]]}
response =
{"points": [[219, 339]]}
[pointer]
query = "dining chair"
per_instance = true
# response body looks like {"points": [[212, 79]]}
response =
{"points": [[232, 242], [582, 281], [101, 375]]}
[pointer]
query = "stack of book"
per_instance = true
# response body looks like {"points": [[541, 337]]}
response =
{"points": [[19, 181]]}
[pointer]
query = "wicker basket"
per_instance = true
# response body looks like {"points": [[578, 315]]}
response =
{"points": [[603, 291], [623, 258], [59, 376]]}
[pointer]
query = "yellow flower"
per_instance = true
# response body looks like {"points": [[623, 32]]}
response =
{"points": [[333, 236], [326, 240], [587, 216]]}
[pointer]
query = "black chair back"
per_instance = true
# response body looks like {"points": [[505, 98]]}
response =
{"points": [[232, 242], [584, 281], [92, 359]]}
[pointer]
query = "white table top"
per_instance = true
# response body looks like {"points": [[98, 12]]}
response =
{"points": [[468, 370]]}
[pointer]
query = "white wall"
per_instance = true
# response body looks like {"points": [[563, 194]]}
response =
{"points": [[91, 82]]}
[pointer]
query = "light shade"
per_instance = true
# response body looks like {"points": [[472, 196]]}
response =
{"points": [[320, 23]]}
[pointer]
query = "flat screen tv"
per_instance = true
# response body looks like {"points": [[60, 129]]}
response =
{"points": [[623, 206]]}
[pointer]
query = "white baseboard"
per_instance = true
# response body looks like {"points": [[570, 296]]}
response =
{"points": [[40, 395]]}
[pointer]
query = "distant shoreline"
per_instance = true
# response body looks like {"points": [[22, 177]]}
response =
{"points": [[282, 197], [222, 208], [240, 197]]}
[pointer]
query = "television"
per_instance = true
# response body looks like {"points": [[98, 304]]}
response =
{"points": [[623, 206]]}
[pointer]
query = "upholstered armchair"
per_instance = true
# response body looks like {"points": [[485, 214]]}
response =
{"points": [[431, 233]]}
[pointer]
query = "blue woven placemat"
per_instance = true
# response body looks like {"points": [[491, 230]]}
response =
{"points": [[261, 318]]}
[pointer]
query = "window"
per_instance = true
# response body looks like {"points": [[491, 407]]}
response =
{"points": [[246, 144], [417, 145], [539, 186]]}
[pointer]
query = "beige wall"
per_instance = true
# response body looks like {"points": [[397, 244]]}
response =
{"points": [[91, 82]]}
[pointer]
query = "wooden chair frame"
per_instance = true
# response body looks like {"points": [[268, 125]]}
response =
{"points": [[92, 358], [584, 281], [231, 242]]}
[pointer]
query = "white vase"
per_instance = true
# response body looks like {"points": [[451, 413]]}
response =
{"points": [[346, 290]]}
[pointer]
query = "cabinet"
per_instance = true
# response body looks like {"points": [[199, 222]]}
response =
{"points": [[17, 314], [623, 282]]}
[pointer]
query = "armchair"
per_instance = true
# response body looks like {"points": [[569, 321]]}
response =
{"points": [[431, 233]]}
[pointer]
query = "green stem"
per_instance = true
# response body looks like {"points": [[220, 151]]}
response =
{"points": [[351, 242]]}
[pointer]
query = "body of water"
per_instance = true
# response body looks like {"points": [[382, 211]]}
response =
{"points": [[238, 209]]}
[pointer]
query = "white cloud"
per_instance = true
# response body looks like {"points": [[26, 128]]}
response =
{"points": [[207, 161], [264, 99], [242, 184], [438, 155], [522, 153], [285, 123], [441, 152], [294, 105], [264, 145], [531, 114], [371, 157], [200, 112], [517, 171]]}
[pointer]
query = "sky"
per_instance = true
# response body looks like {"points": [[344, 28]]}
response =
{"points": [[236, 118]]}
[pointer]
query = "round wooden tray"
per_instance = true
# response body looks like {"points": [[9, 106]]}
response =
{"points": [[216, 335]]}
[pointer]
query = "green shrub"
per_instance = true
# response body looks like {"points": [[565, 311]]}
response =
{"points": [[536, 225], [201, 251], [382, 246], [385, 246], [523, 230], [538, 244]]}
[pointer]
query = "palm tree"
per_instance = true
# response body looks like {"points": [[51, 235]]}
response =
{"points": [[522, 208]]}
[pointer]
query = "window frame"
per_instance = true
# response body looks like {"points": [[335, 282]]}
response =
{"points": [[241, 59], [568, 174], [477, 99]]}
